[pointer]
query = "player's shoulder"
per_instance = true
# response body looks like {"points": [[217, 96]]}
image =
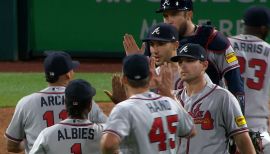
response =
{"points": [[221, 92], [217, 42], [28, 99]]}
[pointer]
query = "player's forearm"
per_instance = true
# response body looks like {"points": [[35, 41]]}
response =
{"points": [[15, 147], [109, 144], [236, 86], [244, 143]]}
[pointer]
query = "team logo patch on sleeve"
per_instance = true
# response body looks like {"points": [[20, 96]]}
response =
{"points": [[231, 57], [240, 121]]}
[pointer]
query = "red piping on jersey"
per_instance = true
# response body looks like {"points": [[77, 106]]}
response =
{"points": [[51, 92], [113, 132], [199, 98], [238, 131], [179, 97], [12, 138], [210, 39], [147, 98], [176, 86], [188, 142], [229, 68], [246, 40], [69, 124]]}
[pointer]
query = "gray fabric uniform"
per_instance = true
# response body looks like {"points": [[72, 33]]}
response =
{"points": [[217, 116], [39, 110], [148, 123], [254, 58], [72, 136]]}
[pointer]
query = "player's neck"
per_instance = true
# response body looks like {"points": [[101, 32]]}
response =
{"points": [[59, 83], [133, 91], [195, 86], [191, 29]]}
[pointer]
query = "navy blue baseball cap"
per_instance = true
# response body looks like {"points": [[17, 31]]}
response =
{"points": [[257, 16], [181, 5], [136, 67], [79, 91], [162, 32], [58, 63], [190, 50]]}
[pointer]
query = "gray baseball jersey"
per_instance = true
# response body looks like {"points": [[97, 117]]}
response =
{"points": [[71, 136], [217, 116], [37, 111], [254, 59], [149, 123]]}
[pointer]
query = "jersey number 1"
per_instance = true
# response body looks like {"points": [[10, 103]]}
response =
{"points": [[157, 133], [48, 116], [76, 148]]}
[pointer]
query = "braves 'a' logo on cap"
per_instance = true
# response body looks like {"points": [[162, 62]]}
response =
{"points": [[177, 3], [166, 2], [185, 49], [156, 31]]}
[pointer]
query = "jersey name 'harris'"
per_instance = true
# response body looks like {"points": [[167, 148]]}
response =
{"points": [[160, 105], [251, 47], [52, 100], [76, 133]]}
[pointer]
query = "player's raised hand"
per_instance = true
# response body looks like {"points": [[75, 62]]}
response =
{"points": [[155, 78], [165, 82], [118, 93], [131, 46]]}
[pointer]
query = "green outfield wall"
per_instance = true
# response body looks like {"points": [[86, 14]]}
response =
{"points": [[96, 27]]}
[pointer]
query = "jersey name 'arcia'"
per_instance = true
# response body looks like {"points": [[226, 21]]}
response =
{"points": [[76, 133], [160, 105], [52, 100]]}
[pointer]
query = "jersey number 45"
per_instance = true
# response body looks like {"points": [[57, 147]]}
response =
{"points": [[157, 133]]}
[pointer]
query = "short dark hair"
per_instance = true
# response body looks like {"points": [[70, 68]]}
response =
{"points": [[78, 96], [139, 83], [76, 111], [51, 79]]}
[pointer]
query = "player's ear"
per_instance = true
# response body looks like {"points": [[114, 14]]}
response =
{"points": [[70, 75], [124, 79], [176, 44], [205, 64], [189, 15], [90, 105]]}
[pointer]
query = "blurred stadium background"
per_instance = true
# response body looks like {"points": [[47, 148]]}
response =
{"points": [[95, 28]]}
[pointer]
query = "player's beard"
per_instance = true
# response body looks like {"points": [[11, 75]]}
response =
{"points": [[182, 29]]}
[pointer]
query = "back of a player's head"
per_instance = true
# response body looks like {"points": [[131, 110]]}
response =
{"points": [[78, 96], [162, 32], [257, 16], [57, 64], [181, 5], [136, 69]]}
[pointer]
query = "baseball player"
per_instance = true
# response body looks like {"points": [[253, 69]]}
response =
{"points": [[215, 111], [222, 59], [45, 108], [253, 56], [163, 40], [146, 122], [76, 134]]}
